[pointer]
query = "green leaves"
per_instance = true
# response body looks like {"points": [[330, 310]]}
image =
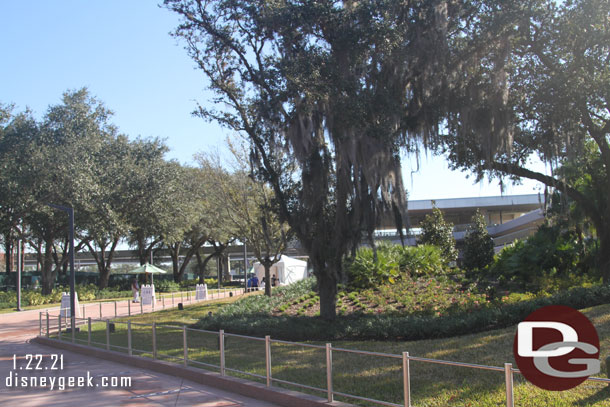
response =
{"points": [[436, 231]]}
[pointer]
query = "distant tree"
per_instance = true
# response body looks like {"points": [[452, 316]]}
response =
{"points": [[60, 170], [153, 182], [436, 231], [248, 208], [478, 245]]}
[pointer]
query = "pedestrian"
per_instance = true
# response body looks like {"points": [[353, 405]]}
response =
{"points": [[255, 282], [273, 281], [135, 289]]}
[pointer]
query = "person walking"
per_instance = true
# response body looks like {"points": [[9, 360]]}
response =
{"points": [[135, 289]]}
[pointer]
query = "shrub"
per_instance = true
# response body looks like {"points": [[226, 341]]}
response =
{"points": [[166, 286], [548, 260], [478, 245], [422, 260], [436, 231]]}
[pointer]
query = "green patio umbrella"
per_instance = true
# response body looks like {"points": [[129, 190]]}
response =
{"points": [[148, 268]]}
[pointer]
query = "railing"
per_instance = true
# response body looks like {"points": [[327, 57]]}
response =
{"points": [[207, 349], [126, 307]]}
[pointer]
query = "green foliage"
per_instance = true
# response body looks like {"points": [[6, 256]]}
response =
{"points": [[86, 292], [548, 260], [166, 286], [393, 262], [478, 245], [422, 260], [507, 311], [436, 231], [366, 271], [256, 305]]}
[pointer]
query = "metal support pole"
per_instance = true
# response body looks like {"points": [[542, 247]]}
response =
{"points": [[59, 321], [154, 339], [129, 307], [83, 311], [129, 351], [73, 326], [508, 377], [40, 324], [141, 306], [268, 359], [18, 275], [406, 379], [107, 334], [221, 338], [89, 331], [184, 346], [329, 372], [100, 310], [115, 313], [47, 324]]}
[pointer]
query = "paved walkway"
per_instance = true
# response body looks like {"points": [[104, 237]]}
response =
{"points": [[29, 320], [147, 388]]}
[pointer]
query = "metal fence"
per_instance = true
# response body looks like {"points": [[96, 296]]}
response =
{"points": [[208, 349]]}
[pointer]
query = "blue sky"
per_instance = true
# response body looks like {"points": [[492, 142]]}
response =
{"points": [[122, 51]]}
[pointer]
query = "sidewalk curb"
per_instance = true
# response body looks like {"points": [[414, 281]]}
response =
{"points": [[259, 391]]}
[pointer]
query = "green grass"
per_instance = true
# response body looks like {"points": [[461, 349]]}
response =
{"points": [[368, 376]]}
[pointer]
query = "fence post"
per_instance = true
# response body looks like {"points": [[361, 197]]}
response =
{"points": [[40, 323], [83, 311], [115, 314], [221, 338], [47, 324], [268, 359], [329, 372], [129, 351], [72, 325], [141, 306], [107, 334], [100, 310], [129, 307], [184, 346], [508, 377], [59, 321], [406, 379], [89, 331], [154, 339]]}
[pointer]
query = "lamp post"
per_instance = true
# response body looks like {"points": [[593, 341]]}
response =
{"points": [[19, 266], [70, 212]]}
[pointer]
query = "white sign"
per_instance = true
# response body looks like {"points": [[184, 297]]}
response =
{"points": [[65, 305], [148, 294], [201, 292]]}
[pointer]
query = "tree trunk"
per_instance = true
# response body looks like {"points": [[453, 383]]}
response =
{"points": [[267, 279], [8, 254], [604, 254], [327, 286], [201, 265], [48, 273], [104, 277]]}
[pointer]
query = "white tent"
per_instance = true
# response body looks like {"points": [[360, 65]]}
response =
{"points": [[288, 270]]}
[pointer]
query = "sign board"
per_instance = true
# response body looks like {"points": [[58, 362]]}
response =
{"points": [[201, 292], [65, 305], [148, 294]]}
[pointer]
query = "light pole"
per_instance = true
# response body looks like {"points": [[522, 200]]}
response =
{"points": [[19, 266], [70, 212]]}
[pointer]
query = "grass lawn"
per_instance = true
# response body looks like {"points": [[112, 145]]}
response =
{"points": [[367, 376]]}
